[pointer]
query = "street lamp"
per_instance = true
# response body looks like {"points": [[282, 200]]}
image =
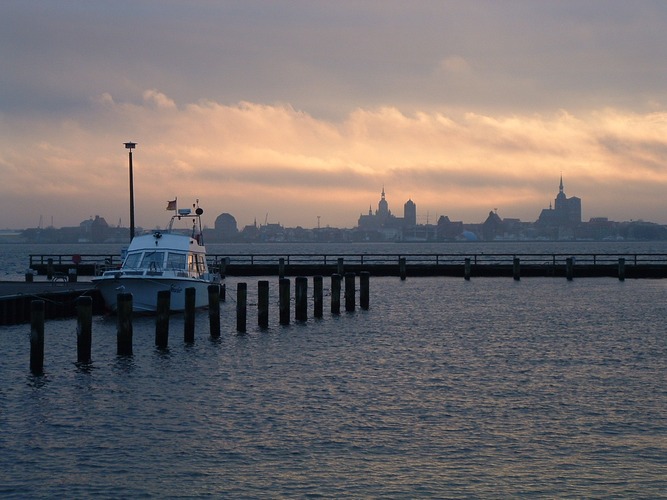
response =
{"points": [[131, 146]]}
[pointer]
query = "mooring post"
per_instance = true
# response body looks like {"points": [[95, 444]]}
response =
{"points": [[284, 300], [340, 266], [84, 328], [301, 298], [466, 269], [214, 310], [281, 268], [29, 276], [401, 267], [162, 318], [350, 298], [241, 307], [223, 292], [569, 268], [189, 315], [335, 293], [318, 296], [49, 269], [37, 337], [621, 269], [364, 289], [263, 304], [124, 324], [516, 268]]}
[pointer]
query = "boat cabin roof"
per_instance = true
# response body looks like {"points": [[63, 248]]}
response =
{"points": [[165, 241]]}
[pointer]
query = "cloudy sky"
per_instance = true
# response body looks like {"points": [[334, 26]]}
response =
{"points": [[288, 110]]}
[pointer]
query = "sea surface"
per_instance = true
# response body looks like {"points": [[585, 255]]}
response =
{"points": [[444, 388]]}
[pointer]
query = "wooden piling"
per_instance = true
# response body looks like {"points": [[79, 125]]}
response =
{"points": [[401, 268], [241, 307], [214, 310], [223, 292], [569, 268], [301, 298], [284, 300], [162, 319], [29, 277], [516, 268], [124, 324], [318, 297], [335, 293], [37, 337], [466, 269], [49, 269], [340, 268], [84, 328], [621, 269], [189, 315], [350, 299], [281, 268], [263, 304], [364, 289]]}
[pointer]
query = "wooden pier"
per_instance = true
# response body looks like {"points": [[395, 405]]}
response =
{"points": [[403, 265]]}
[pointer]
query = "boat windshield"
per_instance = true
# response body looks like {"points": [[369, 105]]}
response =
{"points": [[132, 260], [176, 261], [152, 260]]}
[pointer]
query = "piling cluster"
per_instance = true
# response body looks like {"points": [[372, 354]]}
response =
{"points": [[216, 294]]}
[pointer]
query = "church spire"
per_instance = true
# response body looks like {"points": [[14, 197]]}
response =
{"points": [[560, 188]]}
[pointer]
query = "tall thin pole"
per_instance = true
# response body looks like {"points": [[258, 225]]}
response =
{"points": [[130, 146]]}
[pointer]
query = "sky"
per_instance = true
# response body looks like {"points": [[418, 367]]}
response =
{"points": [[294, 112]]}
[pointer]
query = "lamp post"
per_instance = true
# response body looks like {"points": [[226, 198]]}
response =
{"points": [[131, 146]]}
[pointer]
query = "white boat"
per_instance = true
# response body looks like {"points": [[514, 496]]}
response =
{"points": [[164, 260]]}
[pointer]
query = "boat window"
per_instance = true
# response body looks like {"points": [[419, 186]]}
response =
{"points": [[176, 261], [152, 260], [132, 260]]}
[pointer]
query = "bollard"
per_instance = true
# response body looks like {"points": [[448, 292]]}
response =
{"points": [[569, 268], [241, 306], [318, 297], [281, 268], [223, 266], [37, 337], [516, 269], [401, 267], [49, 269], [335, 293], [621, 269], [84, 328], [29, 276], [350, 299], [124, 324], [284, 300], [301, 298], [189, 315], [263, 304], [162, 319], [340, 267], [214, 310], [466, 269], [223, 293]]}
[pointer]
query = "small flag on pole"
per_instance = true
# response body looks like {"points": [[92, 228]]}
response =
{"points": [[171, 205]]}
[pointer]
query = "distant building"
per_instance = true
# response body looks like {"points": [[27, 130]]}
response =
{"points": [[382, 219], [563, 218], [409, 214], [226, 228]]}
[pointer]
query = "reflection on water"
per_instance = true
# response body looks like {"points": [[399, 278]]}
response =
{"points": [[444, 388]]}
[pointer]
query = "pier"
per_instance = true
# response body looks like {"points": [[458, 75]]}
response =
{"points": [[584, 265]]}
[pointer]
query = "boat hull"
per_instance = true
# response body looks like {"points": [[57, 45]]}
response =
{"points": [[145, 291]]}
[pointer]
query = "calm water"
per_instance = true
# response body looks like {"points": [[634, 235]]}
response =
{"points": [[444, 388]]}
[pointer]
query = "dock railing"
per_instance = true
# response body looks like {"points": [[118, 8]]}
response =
{"points": [[382, 263]]}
